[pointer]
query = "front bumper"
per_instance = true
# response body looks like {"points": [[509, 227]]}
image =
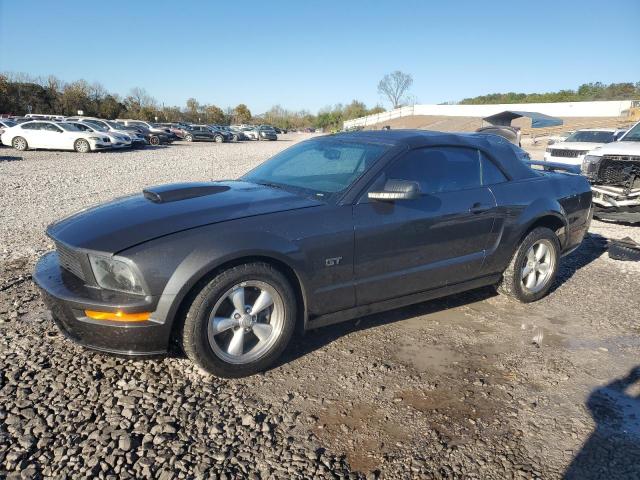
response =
{"points": [[101, 145], [612, 196], [67, 298], [616, 204]]}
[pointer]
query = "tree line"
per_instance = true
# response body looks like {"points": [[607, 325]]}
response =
{"points": [[21, 94], [585, 92]]}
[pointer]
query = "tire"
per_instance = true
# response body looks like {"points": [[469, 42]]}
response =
{"points": [[82, 146], [20, 144], [218, 138], [235, 138], [155, 141], [189, 138], [515, 281], [210, 347]]}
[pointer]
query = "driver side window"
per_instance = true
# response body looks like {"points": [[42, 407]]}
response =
{"points": [[438, 169]]}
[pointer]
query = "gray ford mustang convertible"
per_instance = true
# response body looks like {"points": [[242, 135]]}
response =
{"points": [[330, 229]]}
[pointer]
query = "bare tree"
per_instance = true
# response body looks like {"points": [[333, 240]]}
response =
{"points": [[395, 86]]}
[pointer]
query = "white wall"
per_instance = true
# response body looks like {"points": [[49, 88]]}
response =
{"points": [[563, 109]]}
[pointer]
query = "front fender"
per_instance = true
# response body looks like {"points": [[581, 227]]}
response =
{"points": [[209, 253]]}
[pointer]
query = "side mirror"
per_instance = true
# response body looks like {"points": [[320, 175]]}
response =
{"points": [[397, 190]]}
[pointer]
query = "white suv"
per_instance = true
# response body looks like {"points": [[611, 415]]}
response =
{"points": [[614, 172], [576, 145]]}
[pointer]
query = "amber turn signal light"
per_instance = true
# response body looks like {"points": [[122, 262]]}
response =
{"points": [[118, 316]]}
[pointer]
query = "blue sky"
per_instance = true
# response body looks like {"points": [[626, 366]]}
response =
{"points": [[311, 54]]}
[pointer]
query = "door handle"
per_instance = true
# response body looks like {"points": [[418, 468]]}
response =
{"points": [[478, 208]]}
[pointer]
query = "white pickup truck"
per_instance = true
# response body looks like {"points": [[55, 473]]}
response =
{"points": [[614, 173]]}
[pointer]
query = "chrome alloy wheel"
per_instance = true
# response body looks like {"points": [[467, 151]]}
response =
{"points": [[538, 267], [82, 146], [246, 322], [20, 144]]}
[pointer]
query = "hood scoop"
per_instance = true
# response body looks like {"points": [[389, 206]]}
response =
{"points": [[181, 191]]}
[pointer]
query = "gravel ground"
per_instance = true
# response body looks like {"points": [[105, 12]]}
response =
{"points": [[469, 386]]}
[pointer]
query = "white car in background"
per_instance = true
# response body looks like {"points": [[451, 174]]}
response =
{"points": [[576, 146], [53, 136], [118, 140], [109, 126], [4, 124], [250, 132]]}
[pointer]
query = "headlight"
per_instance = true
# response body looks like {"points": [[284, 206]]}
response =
{"points": [[112, 274], [94, 138], [590, 164]]}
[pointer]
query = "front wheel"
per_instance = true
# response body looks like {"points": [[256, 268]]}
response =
{"points": [[189, 138], [533, 268], [20, 144], [155, 141], [241, 321], [82, 146], [219, 138]]}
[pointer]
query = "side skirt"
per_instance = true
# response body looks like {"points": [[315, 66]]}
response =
{"points": [[361, 311]]}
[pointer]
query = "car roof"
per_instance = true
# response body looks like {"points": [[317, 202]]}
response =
{"points": [[411, 138], [496, 146]]}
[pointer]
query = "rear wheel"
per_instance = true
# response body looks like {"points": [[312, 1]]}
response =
{"points": [[20, 144], [155, 141], [534, 267], [189, 138], [82, 146], [241, 321], [219, 138]]}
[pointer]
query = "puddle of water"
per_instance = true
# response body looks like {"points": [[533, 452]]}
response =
{"points": [[613, 344], [368, 430], [431, 358]]}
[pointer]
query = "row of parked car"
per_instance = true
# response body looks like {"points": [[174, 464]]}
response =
{"points": [[86, 134]]}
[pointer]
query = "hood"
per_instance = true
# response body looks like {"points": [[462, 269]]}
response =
{"points": [[618, 148], [159, 211], [586, 146]]}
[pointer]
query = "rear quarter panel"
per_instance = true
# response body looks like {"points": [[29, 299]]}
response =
{"points": [[521, 203]]}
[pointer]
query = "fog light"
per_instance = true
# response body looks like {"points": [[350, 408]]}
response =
{"points": [[118, 316]]}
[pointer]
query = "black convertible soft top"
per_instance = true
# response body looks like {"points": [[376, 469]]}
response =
{"points": [[495, 146]]}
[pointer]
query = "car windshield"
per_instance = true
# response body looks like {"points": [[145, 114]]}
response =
{"points": [[593, 136], [9, 123], [318, 167], [632, 135], [70, 127], [114, 125]]}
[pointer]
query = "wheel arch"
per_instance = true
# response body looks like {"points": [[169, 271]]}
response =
{"points": [[545, 212], [182, 301], [551, 220]]}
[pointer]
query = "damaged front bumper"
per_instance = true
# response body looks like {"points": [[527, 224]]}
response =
{"points": [[616, 204]]}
